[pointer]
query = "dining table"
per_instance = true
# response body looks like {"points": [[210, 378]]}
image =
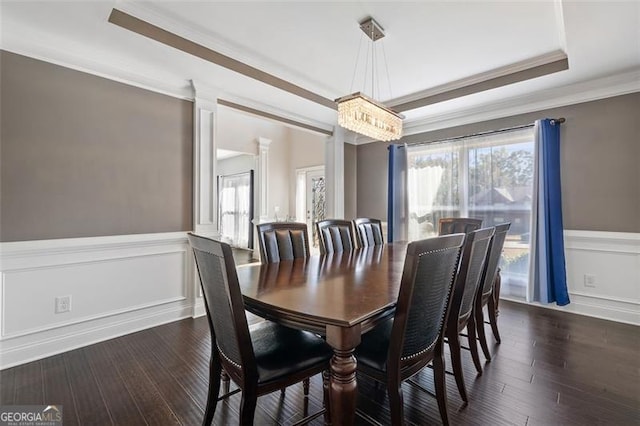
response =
{"points": [[340, 296]]}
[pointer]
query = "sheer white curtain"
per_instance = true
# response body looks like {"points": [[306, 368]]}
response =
{"points": [[489, 177], [432, 187], [235, 206]]}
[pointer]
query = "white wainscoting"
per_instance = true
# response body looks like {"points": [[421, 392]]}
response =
{"points": [[117, 284], [613, 259]]}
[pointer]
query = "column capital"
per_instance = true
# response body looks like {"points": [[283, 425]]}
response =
{"points": [[263, 143], [204, 93]]}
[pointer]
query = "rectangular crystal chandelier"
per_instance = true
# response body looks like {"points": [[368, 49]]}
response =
{"points": [[363, 115]]}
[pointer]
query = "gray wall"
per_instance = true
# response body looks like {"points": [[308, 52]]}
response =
{"points": [[84, 156], [600, 160], [350, 181]]}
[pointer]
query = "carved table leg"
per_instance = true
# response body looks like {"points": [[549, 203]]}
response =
{"points": [[344, 387]]}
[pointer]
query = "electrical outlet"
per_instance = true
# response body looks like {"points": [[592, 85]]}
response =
{"points": [[63, 304], [589, 280]]}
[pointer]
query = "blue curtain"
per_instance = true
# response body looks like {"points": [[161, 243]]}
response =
{"points": [[547, 268], [397, 194]]}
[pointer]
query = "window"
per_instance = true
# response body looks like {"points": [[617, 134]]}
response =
{"points": [[489, 177], [236, 209]]}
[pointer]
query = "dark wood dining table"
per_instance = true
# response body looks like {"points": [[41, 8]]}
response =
{"points": [[340, 296]]}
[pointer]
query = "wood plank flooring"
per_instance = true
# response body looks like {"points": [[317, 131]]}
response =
{"points": [[552, 368]]}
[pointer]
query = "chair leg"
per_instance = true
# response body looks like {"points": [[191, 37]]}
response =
{"points": [[396, 403], [215, 369], [248, 406], [226, 382], [440, 385], [493, 307], [305, 387], [456, 363], [482, 337], [325, 396], [473, 344], [497, 284]]}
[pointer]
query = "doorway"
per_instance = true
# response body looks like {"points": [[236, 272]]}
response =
{"points": [[310, 198]]}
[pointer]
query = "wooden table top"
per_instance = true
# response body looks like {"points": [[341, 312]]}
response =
{"points": [[342, 289]]}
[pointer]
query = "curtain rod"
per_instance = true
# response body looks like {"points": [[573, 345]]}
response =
{"points": [[554, 121]]}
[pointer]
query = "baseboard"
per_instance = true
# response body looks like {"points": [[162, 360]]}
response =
{"points": [[118, 285], [42, 345]]}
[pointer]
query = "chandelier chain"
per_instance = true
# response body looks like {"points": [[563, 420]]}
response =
{"points": [[373, 65], [386, 65], [355, 69]]}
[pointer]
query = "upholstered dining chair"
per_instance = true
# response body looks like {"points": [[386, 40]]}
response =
{"points": [[282, 241], [259, 360], [453, 225], [465, 288], [368, 231], [335, 235], [486, 291], [402, 346]]}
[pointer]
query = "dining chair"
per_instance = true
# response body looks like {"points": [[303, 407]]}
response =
{"points": [[467, 281], [402, 346], [282, 241], [453, 225], [368, 232], [335, 235], [259, 360], [486, 291]]}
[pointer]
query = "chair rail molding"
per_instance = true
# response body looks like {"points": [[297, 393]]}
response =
{"points": [[117, 285]]}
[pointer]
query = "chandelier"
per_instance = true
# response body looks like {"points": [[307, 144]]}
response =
{"points": [[362, 114]]}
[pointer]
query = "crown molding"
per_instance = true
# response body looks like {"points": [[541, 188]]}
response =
{"points": [[151, 13], [16, 39], [63, 52], [276, 114], [527, 69], [190, 45], [592, 90]]}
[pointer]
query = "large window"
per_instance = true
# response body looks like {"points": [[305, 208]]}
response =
{"points": [[488, 177]]}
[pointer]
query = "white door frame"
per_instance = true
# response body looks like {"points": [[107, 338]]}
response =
{"points": [[301, 191]]}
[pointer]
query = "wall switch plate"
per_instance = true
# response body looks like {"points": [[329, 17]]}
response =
{"points": [[63, 304], [589, 280]]}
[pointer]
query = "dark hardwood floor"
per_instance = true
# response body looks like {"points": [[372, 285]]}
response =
{"points": [[552, 368]]}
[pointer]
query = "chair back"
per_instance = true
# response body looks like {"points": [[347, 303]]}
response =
{"points": [[368, 232], [224, 306], [335, 236], [423, 301], [282, 241], [493, 259], [468, 278], [453, 225]]}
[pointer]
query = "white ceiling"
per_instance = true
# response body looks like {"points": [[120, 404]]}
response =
{"points": [[315, 44]]}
